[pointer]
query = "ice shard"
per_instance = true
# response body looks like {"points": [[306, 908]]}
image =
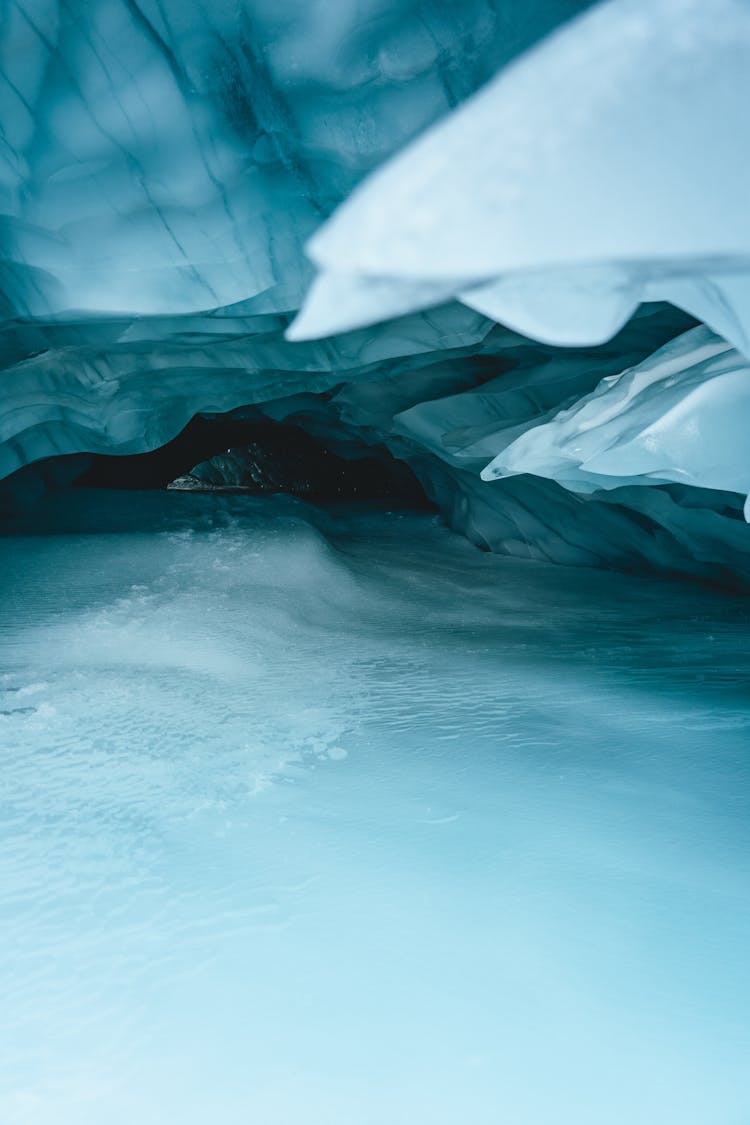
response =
{"points": [[678, 416]]}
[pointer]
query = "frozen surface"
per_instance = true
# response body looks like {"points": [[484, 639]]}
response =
{"points": [[601, 169], [334, 818]]}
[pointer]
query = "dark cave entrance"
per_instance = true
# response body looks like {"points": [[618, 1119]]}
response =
{"points": [[225, 453]]}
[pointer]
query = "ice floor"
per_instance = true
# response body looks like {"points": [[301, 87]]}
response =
{"points": [[334, 819]]}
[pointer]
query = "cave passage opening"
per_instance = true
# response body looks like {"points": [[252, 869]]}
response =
{"points": [[227, 453]]}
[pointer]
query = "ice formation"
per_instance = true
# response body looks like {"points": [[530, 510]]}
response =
{"points": [[518, 214], [312, 812], [604, 168]]}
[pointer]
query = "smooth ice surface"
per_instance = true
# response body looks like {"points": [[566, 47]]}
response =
{"points": [[605, 167], [334, 818]]}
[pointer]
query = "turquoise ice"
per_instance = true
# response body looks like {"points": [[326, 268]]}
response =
{"points": [[332, 817], [194, 199]]}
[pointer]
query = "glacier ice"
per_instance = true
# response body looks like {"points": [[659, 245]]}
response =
{"points": [[521, 196], [584, 179], [442, 835], [678, 416], [165, 158], [315, 813]]}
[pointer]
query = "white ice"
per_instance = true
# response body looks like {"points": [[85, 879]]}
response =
{"points": [[605, 167], [679, 416]]}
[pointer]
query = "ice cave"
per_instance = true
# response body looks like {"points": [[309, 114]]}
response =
{"points": [[375, 555]]}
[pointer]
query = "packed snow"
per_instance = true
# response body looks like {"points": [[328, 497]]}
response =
{"points": [[329, 817]]}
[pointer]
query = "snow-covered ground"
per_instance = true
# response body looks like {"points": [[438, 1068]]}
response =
{"points": [[331, 818]]}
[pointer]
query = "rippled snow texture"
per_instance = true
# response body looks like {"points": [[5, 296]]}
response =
{"points": [[333, 818]]}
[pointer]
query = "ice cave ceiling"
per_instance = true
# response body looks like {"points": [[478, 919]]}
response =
{"points": [[541, 303]]}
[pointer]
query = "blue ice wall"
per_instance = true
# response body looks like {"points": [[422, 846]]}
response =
{"points": [[535, 293], [166, 158]]}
